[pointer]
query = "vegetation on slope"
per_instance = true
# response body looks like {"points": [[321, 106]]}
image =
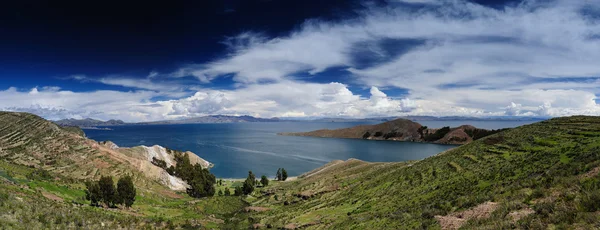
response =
{"points": [[536, 176], [543, 175], [403, 130]]}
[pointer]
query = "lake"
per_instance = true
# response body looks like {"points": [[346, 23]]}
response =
{"points": [[236, 148]]}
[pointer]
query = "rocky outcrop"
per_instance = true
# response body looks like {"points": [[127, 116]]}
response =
{"points": [[402, 130]]}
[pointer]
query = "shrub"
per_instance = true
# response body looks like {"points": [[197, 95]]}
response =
{"points": [[160, 163], [238, 191], [39, 174], [264, 180]]}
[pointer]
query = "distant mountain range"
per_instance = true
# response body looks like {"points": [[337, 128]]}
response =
{"points": [[88, 122], [212, 119], [91, 123]]}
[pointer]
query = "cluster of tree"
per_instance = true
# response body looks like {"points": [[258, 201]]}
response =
{"points": [[160, 163], [250, 183], [420, 131], [439, 134], [481, 133], [281, 174], [104, 191], [201, 181], [391, 134], [366, 135]]}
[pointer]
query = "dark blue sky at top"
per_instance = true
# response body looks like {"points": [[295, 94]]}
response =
{"points": [[43, 42]]}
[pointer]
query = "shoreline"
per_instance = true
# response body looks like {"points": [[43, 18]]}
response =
{"points": [[292, 178]]}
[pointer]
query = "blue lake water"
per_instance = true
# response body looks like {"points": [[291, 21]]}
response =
{"points": [[236, 148]]}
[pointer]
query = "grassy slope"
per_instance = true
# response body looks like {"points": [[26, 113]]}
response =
{"points": [[28, 142], [539, 166], [545, 167]]}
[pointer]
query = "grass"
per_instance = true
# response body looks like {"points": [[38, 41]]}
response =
{"points": [[537, 166], [548, 167]]}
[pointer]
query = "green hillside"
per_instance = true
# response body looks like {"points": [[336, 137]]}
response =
{"points": [[535, 176], [538, 176]]}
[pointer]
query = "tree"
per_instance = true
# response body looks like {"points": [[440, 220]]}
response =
{"points": [[248, 186], [126, 191], [278, 176], [92, 192], [227, 192], [264, 180], [284, 175], [202, 182], [220, 192], [238, 191], [107, 190]]}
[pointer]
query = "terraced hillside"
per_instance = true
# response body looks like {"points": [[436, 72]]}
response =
{"points": [[43, 168], [26, 139], [538, 176]]}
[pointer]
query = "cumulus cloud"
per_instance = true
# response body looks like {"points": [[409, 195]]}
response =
{"points": [[534, 58], [467, 55]]}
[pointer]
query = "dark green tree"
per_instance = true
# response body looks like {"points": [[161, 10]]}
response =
{"points": [[278, 176], [284, 175], [264, 180], [126, 191], [92, 192], [227, 192], [202, 182], [238, 191], [248, 186], [107, 190]]}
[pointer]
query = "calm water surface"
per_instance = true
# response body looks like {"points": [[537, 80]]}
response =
{"points": [[236, 148]]}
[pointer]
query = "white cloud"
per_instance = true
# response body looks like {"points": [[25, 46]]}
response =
{"points": [[535, 58], [475, 59]]}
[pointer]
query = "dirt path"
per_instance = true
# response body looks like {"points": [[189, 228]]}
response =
{"points": [[52, 196]]}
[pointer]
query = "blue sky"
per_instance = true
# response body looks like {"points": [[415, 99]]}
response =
{"points": [[144, 61]]}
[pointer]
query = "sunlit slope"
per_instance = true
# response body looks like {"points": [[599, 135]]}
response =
{"points": [[539, 175], [29, 140]]}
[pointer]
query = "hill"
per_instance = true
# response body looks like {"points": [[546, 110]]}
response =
{"points": [[538, 176], [88, 122], [403, 130]]}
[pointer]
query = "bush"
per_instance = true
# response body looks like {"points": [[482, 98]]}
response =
{"points": [[160, 163], [264, 180], [39, 174], [238, 191]]}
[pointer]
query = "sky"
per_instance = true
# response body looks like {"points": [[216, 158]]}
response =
{"points": [[145, 61]]}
